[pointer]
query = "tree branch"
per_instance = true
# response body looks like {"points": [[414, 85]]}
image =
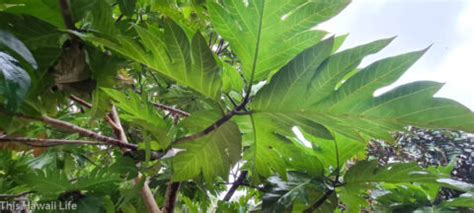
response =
{"points": [[80, 101], [85, 132], [46, 142], [216, 124], [67, 15], [208, 130], [170, 196], [172, 110], [148, 197], [68, 127], [68, 20], [86, 104], [120, 133], [145, 192], [240, 180]]}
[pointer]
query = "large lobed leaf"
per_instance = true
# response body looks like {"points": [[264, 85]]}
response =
{"points": [[267, 34], [212, 155], [172, 54], [315, 87]]}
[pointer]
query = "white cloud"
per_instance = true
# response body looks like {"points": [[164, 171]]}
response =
{"points": [[457, 68]]}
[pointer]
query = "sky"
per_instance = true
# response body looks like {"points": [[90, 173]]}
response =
{"points": [[446, 24]]}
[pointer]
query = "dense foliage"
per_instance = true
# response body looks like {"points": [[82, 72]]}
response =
{"points": [[428, 148], [195, 106]]}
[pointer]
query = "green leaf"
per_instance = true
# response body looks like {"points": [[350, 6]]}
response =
{"points": [[48, 181], [464, 200], [99, 181], [267, 34], [369, 171], [328, 97], [299, 188], [212, 155], [402, 197], [81, 8], [170, 53], [127, 7], [142, 114], [104, 67], [231, 79], [273, 150], [455, 184], [358, 178], [15, 81], [338, 66], [40, 37], [124, 166], [15, 45], [346, 149], [102, 19], [269, 152], [353, 197], [90, 204], [287, 89], [46, 10]]}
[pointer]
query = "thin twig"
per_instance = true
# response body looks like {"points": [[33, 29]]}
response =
{"points": [[338, 166], [235, 185], [219, 46], [231, 100], [222, 49], [120, 131], [47, 142], [209, 129], [172, 110], [84, 103], [80, 101], [236, 111], [147, 196], [119, 19]]}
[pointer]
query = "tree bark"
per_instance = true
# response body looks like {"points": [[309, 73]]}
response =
{"points": [[238, 182], [170, 196]]}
